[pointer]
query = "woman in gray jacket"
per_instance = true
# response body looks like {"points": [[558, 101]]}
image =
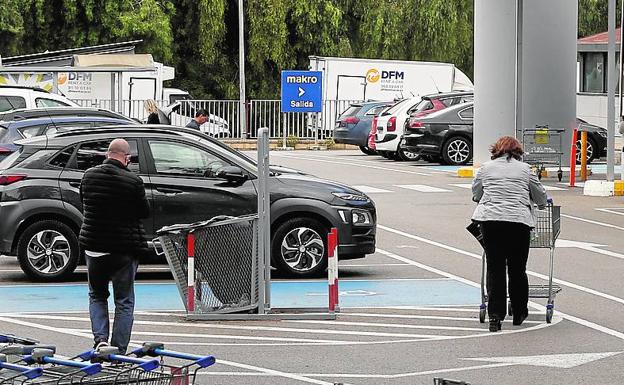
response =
{"points": [[506, 190]]}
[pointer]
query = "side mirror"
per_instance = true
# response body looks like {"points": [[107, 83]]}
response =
{"points": [[231, 174]]}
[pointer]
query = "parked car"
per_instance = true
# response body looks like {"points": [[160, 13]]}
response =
{"points": [[10, 131], [14, 97], [354, 124], [436, 102], [446, 134], [389, 130], [596, 141], [182, 170], [29, 113]]}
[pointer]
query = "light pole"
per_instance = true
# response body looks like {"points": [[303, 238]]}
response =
{"points": [[611, 93], [241, 65]]}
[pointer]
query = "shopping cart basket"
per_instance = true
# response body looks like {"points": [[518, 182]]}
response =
{"points": [[214, 263], [543, 146], [543, 236]]}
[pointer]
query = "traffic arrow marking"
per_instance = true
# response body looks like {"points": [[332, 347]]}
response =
{"points": [[301, 92], [562, 361], [593, 247]]}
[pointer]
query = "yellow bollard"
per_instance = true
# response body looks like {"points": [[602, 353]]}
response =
{"points": [[584, 156]]}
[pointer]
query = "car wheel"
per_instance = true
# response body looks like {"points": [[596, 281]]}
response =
{"points": [[299, 247], [367, 150], [457, 151], [48, 251], [385, 154], [591, 151], [407, 155]]}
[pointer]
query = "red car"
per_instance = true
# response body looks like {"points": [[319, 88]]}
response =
{"points": [[437, 102]]}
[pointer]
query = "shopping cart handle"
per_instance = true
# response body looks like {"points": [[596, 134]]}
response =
{"points": [[25, 371], [201, 361], [157, 247], [46, 356], [11, 339], [112, 355], [19, 350]]}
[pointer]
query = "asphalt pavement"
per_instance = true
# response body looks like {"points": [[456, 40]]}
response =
{"points": [[409, 312]]}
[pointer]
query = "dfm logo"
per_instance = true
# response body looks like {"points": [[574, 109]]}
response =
{"points": [[373, 75]]}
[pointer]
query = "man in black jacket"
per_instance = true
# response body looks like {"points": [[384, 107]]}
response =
{"points": [[112, 237]]}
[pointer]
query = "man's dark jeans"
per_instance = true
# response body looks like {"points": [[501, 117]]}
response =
{"points": [[119, 269]]}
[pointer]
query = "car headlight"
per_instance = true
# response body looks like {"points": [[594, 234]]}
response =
{"points": [[361, 218], [603, 133], [350, 197]]}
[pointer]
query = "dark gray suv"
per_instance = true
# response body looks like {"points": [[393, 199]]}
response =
{"points": [[41, 210]]}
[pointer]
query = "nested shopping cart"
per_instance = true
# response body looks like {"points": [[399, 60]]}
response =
{"points": [[32, 364], [543, 146], [543, 236]]}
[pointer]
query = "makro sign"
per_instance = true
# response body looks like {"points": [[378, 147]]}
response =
{"points": [[388, 80], [302, 91]]}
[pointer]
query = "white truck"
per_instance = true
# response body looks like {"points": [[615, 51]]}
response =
{"points": [[374, 79], [349, 80]]}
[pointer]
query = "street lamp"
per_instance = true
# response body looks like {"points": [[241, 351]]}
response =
{"points": [[241, 65]]}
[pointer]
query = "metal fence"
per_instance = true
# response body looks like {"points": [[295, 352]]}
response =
{"points": [[224, 116]]}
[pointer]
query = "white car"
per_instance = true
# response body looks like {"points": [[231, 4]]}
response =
{"points": [[14, 97], [391, 127], [182, 111]]}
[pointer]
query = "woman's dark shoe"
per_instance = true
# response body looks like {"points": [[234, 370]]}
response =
{"points": [[518, 318], [495, 324]]}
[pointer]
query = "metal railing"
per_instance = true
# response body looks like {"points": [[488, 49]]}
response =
{"points": [[224, 116]]}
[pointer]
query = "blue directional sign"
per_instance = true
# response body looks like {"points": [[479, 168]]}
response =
{"points": [[302, 91]]}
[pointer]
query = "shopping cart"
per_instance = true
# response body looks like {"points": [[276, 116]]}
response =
{"points": [[543, 236], [543, 146], [32, 365]]}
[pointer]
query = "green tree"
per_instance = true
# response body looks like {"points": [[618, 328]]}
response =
{"points": [[11, 27]]}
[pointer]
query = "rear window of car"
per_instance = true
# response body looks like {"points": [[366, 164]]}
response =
{"points": [[9, 136], [351, 111], [467, 113], [376, 110], [8, 103], [9, 160], [424, 105]]}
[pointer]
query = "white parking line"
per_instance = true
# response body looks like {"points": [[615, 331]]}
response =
{"points": [[462, 185], [422, 188], [353, 164], [578, 320], [89, 336], [388, 325], [611, 210], [428, 317], [593, 222], [371, 190], [553, 188]]}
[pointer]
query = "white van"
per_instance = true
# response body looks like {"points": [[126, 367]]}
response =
{"points": [[390, 127], [14, 97]]}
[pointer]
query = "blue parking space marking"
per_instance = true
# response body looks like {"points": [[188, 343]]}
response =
{"points": [[300, 294]]}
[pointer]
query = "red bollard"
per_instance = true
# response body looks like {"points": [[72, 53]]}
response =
{"points": [[332, 269], [190, 296], [573, 158]]}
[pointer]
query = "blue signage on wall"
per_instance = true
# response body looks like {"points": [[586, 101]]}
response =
{"points": [[302, 91]]}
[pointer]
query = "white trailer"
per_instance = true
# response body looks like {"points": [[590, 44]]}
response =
{"points": [[374, 79]]}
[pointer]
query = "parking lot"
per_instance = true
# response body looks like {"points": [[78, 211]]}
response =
{"points": [[409, 312]]}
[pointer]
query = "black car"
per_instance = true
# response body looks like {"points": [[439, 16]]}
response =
{"points": [[445, 135], [41, 209], [596, 141]]}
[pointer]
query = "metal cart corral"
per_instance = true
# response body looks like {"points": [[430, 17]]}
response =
{"points": [[543, 146], [543, 236]]}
